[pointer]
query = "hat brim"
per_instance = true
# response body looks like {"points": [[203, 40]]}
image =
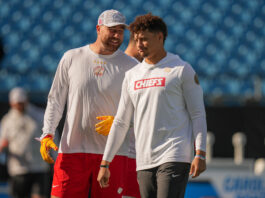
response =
{"points": [[115, 24]]}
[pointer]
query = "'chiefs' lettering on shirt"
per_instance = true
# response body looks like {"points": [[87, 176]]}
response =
{"points": [[150, 82]]}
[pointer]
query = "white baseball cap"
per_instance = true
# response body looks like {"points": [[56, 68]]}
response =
{"points": [[17, 95], [111, 18]]}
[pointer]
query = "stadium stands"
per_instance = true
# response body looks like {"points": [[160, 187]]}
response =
{"points": [[223, 40]]}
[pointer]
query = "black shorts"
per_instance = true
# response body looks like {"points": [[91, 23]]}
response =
{"points": [[30, 183], [168, 180]]}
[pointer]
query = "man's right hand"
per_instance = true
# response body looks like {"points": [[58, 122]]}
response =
{"points": [[46, 144]]}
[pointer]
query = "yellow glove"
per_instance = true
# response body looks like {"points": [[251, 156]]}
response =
{"points": [[46, 144], [104, 126]]}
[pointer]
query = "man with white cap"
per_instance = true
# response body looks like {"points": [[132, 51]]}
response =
{"points": [[88, 79], [19, 127]]}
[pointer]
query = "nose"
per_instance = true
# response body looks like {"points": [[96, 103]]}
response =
{"points": [[116, 35], [139, 43]]}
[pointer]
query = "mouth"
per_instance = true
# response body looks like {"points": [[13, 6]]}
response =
{"points": [[140, 50], [114, 42]]}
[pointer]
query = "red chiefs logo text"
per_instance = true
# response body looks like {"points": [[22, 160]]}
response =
{"points": [[150, 82]]}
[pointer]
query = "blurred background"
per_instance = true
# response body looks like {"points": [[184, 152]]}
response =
{"points": [[223, 40]]}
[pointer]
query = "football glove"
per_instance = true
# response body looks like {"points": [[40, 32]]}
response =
{"points": [[46, 144], [104, 126]]}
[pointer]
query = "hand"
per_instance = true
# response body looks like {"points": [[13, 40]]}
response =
{"points": [[197, 167], [46, 144], [103, 177], [3, 144], [104, 126]]}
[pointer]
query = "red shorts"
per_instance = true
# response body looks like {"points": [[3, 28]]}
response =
{"points": [[131, 184], [76, 174]]}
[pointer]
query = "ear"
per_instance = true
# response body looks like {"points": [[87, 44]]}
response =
{"points": [[161, 36], [135, 37], [98, 28]]}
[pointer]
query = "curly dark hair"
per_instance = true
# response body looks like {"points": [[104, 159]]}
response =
{"points": [[150, 23]]}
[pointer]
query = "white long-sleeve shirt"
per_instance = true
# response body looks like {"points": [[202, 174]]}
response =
{"points": [[166, 102], [91, 85]]}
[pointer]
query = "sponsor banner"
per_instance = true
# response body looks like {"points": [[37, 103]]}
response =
{"points": [[228, 184]]}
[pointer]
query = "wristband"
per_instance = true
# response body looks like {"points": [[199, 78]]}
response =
{"points": [[200, 156], [104, 166]]}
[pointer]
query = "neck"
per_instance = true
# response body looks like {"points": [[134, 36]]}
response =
{"points": [[133, 53], [128, 50], [99, 49], [19, 111], [155, 58]]}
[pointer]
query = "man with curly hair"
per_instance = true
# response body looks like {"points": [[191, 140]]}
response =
{"points": [[164, 97]]}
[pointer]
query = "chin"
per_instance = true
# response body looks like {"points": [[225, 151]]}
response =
{"points": [[114, 47], [111, 49], [143, 55]]}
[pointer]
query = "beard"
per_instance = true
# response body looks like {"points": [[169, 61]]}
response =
{"points": [[110, 45], [143, 52]]}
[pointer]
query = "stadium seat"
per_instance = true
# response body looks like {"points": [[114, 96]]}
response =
{"points": [[220, 39]]}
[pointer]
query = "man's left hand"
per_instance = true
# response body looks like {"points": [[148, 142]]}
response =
{"points": [[104, 126], [197, 167]]}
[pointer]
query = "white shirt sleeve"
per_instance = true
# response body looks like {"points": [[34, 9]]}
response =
{"points": [[56, 99], [121, 124], [193, 96], [4, 130]]}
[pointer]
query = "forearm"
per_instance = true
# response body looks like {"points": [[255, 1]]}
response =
{"points": [[198, 120], [120, 125], [53, 115], [116, 137], [193, 95], [200, 133]]}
